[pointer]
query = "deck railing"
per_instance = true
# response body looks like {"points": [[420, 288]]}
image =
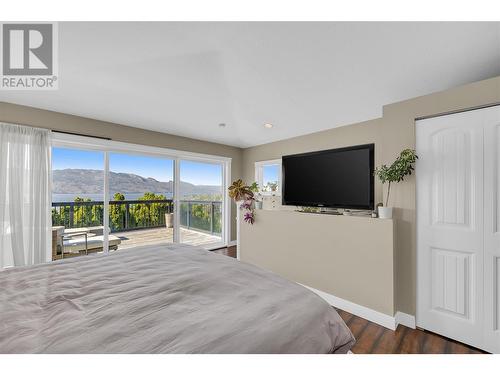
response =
{"points": [[204, 216]]}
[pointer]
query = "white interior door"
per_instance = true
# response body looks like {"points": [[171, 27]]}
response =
{"points": [[491, 118], [450, 227], [457, 241]]}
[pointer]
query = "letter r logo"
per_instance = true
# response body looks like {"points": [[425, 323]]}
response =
{"points": [[27, 49]]}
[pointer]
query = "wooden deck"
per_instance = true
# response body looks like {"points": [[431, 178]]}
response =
{"points": [[156, 236]]}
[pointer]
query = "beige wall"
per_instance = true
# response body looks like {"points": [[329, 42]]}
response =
{"points": [[348, 257], [362, 133], [391, 133], [23, 115]]}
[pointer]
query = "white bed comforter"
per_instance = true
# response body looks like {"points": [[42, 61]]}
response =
{"points": [[162, 299]]}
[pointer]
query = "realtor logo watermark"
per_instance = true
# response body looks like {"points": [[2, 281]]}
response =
{"points": [[29, 58]]}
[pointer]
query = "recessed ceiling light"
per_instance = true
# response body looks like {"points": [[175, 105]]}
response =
{"points": [[268, 126], [222, 125]]}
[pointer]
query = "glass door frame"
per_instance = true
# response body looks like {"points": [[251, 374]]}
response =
{"points": [[226, 202], [107, 146], [75, 144]]}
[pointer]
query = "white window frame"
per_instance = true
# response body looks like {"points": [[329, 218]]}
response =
{"points": [[108, 146], [259, 175]]}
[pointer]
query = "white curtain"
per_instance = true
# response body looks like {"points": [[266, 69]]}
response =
{"points": [[25, 229]]}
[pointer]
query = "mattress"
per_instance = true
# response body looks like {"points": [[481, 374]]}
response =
{"points": [[162, 299]]}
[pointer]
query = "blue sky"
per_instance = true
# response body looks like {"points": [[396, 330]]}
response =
{"points": [[201, 173], [270, 174], [145, 166]]}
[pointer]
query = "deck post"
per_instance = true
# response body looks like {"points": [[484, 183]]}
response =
{"points": [[127, 206], [71, 214], [212, 217]]}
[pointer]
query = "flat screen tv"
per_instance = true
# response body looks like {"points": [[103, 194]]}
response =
{"points": [[338, 178]]}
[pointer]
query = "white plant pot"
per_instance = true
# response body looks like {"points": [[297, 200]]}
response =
{"points": [[385, 212], [169, 220]]}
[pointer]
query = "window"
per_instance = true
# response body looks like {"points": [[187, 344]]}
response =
{"points": [[141, 206], [268, 176], [111, 195], [201, 193], [77, 202]]}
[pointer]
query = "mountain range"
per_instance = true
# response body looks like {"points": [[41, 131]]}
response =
{"points": [[90, 181]]}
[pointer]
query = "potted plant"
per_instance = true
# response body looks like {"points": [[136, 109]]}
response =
{"points": [[169, 220], [258, 198], [244, 198], [239, 191], [396, 172]]}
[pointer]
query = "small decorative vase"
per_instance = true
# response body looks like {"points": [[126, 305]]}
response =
{"points": [[385, 212], [258, 205]]}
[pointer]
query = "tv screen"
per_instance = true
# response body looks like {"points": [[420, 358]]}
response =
{"points": [[339, 178]]}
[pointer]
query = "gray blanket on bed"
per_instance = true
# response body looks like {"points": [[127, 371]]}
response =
{"points": [[162, 299]]}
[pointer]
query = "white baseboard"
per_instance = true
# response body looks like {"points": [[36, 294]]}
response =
{"points": [[232, 243], [405, 319], [387, 321]]}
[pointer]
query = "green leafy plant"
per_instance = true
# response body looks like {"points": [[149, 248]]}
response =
{"points": [[239, 191], [254, 187], [401, 167]]}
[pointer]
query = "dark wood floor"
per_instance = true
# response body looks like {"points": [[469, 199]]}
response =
{"points": [[229, 251], [372, 338]]}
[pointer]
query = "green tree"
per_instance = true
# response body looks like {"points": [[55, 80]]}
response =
{"points": [[86, 215], [117, 213], [60, 215], [148, 214]]}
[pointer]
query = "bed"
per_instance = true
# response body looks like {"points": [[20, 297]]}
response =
{"points": [[162, 299]]}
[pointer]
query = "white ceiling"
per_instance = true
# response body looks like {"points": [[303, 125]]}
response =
{"points": [[186, 78]]}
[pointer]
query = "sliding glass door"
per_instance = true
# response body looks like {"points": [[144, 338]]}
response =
{"points": [[109, 196], [77, 202], [141, 209], [201, 203]]}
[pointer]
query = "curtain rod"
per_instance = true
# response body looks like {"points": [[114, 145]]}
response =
{"points": [[458, 111], [81, 135]]}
